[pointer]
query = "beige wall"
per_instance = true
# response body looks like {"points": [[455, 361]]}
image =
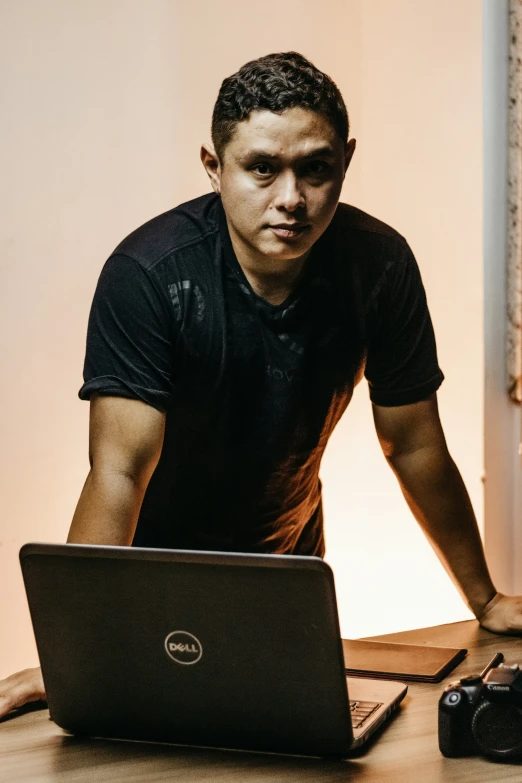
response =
{"points": [[105, 105], [90, 117], [418, 166]]}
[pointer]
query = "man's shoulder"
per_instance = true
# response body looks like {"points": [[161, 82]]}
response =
{"points": [[183, 226], [353, 219], [364, 246]]}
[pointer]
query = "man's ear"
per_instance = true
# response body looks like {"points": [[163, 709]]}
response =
{"points": [[212, 166], [348, 155]]}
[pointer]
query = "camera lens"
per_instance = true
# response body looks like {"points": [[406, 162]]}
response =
{"points": [[497, 729]]}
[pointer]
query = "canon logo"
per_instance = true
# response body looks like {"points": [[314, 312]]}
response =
{"points": [[498, 687], [183, 647]]}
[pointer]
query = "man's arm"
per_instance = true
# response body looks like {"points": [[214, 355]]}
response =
{"points": [[413, 443], [125, 441]]}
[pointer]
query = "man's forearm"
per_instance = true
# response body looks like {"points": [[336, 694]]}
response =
{"points": [[108, 509], [435, 492]]}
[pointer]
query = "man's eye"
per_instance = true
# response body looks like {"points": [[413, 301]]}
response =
{"points": [[263, 169], [317, 167]]}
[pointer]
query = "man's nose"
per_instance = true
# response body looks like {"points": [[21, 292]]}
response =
{"points": [[289, 194]]}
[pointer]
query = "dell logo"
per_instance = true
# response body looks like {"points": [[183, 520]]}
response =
{"points": [[188, 648], [183, 647]]}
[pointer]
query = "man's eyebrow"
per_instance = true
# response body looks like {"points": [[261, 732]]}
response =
{"points": [[325, 151]]}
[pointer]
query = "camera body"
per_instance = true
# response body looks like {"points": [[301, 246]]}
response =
{"points": [[483, 715]]}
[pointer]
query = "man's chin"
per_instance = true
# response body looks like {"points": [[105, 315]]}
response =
{"points": [[286, 251], [285, 258]]}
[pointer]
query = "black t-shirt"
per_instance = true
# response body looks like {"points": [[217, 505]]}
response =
{"points": [[252, 391]]}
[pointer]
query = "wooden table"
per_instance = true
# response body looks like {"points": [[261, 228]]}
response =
{"points": [[33, 749]]}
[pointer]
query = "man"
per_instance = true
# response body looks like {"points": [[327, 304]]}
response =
{"points": [[225, 340]]}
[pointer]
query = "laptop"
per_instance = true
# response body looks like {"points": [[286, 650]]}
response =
{"points": [[211, 649]]}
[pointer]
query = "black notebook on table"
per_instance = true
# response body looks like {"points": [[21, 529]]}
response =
{"points": [[392, 661]]}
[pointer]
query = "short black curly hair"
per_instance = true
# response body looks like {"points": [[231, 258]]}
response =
{"points": [[276, 82]]}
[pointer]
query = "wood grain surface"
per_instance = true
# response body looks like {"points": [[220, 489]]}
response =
{"points": [[33, 749]]}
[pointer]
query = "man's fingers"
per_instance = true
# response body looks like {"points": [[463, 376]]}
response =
{"points": [[5, 706], [20, 688], [505, 616]]}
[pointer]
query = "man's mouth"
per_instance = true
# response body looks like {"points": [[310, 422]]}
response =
{"points": [[288, 230]]}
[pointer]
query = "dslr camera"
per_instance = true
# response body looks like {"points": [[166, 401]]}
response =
{"points": [[483, 715]]}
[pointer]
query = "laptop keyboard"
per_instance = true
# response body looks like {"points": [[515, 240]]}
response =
{"points": [[361, 711]]}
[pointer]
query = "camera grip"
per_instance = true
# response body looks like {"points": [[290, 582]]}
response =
{"points": [[455, 738]]}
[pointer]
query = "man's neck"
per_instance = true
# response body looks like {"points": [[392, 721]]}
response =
{"points": [[271, 279]]}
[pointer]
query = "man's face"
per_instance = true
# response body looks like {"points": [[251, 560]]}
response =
{"points": [[280, 183]]}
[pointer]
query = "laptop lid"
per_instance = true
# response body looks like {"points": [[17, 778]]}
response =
{"points": [[212, 649]]}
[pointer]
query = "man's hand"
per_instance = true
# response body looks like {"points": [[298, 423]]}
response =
{"points": [[20, 688], [503, 614]]}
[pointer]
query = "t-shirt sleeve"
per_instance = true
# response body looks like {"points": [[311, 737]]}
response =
{"points": [[401, 365], [129, 349]]}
